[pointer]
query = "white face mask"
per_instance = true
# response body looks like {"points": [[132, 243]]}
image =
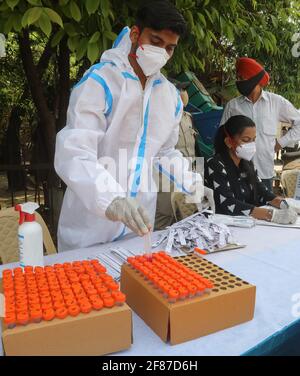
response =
{"points": [[246, 151], [151, 58]]}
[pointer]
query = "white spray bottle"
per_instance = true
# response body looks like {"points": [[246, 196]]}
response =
{"points": [[30, 236]]}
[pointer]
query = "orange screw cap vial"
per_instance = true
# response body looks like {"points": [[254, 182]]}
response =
{"points": [[114, 286], [10, 320], [70, 302], [48, 314], [173, 295], [97, 304], [74, 310], [108, 302], [119, 297], [46, 306], [36, 315], [61, 313], [28, 269], [23, 318], [85, 306]]}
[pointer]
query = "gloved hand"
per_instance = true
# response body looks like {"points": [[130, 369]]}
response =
{"points": [[209, 201], [294, 204], [128, 211], [284, 216], [197, 193], [202, 196]]}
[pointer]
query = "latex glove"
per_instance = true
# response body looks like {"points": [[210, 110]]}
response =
{"points": [[197, 194], [284, 216], [294, 204], [209, 201], [202, 196], [131, 213]]}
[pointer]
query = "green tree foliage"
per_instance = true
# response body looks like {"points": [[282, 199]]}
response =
{"points": [[218, 32]]}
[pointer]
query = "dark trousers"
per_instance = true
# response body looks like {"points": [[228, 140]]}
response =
{"points": [[268, 183]]}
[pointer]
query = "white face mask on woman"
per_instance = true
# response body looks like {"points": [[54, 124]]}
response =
{"points": [[246, 151], [151, 58]]}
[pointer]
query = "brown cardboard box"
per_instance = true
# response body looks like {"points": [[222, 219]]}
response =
{"points": [[96, 333], [231, 302]]}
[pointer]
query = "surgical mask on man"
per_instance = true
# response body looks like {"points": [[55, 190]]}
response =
{"points": [[151, 58], [245, 87], [246, 151]]}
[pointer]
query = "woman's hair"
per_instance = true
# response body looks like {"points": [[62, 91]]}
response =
{"points": [[235, 126], [159, 15]]}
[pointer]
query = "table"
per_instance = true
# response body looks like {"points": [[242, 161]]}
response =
{"points": [[271, 261]]}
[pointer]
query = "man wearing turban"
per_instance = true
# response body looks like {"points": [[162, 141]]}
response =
{"points": [[267, 110]]}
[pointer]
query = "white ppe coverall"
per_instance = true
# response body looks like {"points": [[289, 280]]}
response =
{"points": [[111, 118]]}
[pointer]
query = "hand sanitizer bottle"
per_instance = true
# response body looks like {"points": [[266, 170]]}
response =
{"points": [[30, 236]]}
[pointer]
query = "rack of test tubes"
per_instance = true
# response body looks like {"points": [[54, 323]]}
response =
{"points": [[172, 278], [38, 293]]}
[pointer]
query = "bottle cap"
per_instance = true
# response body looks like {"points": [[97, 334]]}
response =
{"points": [[74, 309], [48, 314], [173, 294], [61, 313], [36, 313], [108, 302], [119, 296], [85, 306], [97, 304], [10, 319], [22, 317]]}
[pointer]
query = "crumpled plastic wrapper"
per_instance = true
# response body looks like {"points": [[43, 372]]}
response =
{"points": [[195, 231]]}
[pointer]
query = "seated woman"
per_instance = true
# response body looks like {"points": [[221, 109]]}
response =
{"points": [[231, 174]]}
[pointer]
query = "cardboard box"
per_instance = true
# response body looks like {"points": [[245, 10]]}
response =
{"points": [[96, 333], [231, 302]]}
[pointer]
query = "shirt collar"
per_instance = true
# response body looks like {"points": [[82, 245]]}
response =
{"points": [[263, 96]]}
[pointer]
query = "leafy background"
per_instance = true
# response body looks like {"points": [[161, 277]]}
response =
{"points": [[51, 43]]}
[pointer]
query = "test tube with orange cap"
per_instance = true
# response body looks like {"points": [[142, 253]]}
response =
{"points": [[61, 312], [208, 284], [85, 306], [10, 320], [48, 314], [173, 295], [36, 314], [74, 310], [22, 317], [108, 302], [119, 297]]}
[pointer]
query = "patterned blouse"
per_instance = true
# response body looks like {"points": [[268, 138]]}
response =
{"points": [[233, 193]]}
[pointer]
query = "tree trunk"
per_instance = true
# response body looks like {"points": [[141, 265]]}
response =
{"points": [[39, 99], [63, 62], [12, 154]]}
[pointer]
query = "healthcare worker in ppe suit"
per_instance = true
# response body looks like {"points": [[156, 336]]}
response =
{"points": [[122, 123]]}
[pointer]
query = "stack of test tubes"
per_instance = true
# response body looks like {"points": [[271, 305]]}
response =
{"points": [[173, 279], [44, 293]]}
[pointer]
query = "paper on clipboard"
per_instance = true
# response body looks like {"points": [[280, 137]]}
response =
{"points": [[228, 247]]}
